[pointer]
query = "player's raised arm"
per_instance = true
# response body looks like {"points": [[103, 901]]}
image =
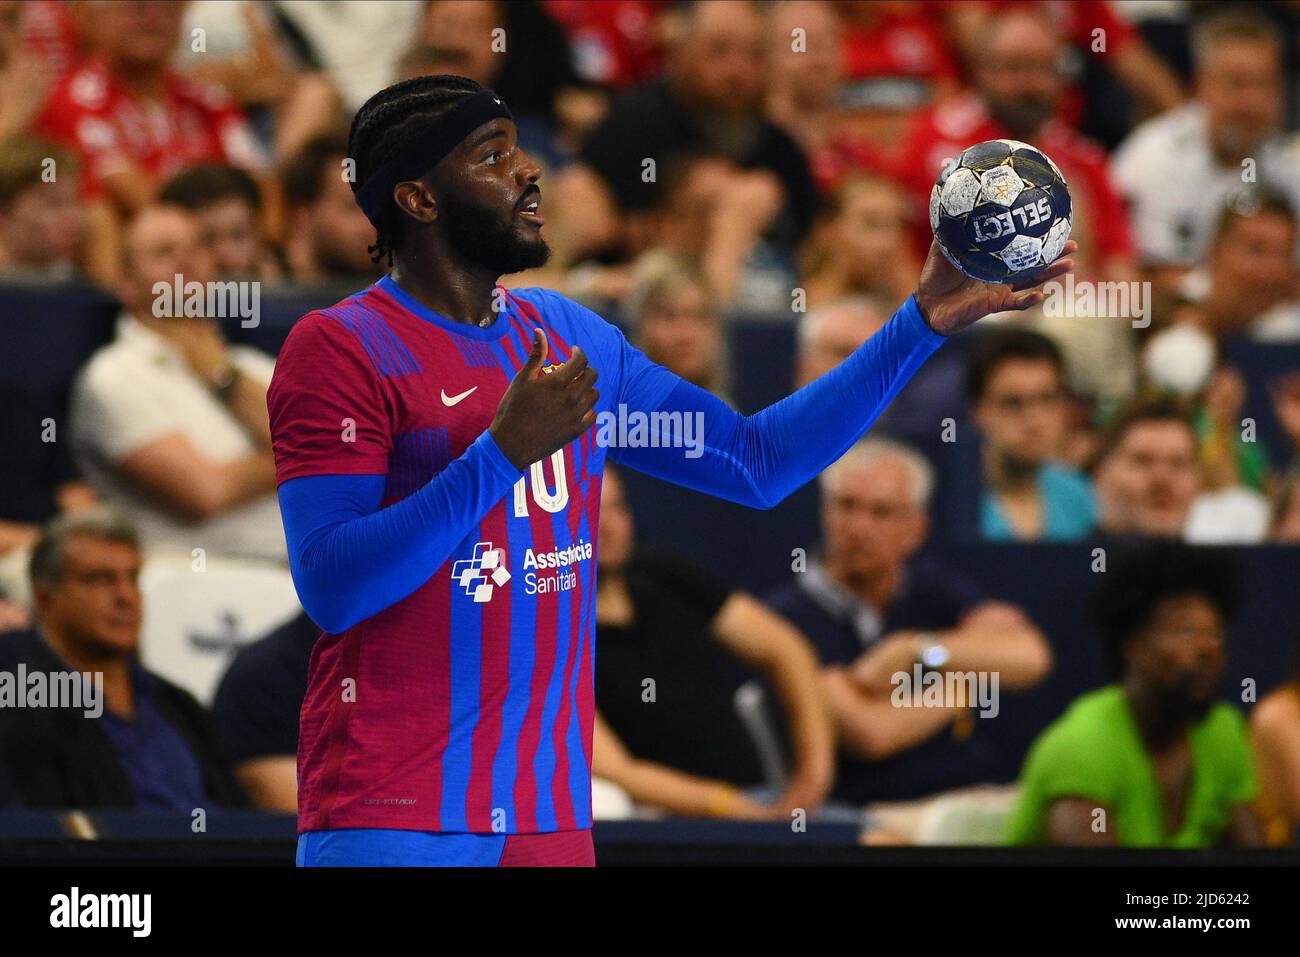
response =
{"points": [[758, 460]]}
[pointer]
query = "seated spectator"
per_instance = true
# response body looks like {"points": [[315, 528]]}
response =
{"points": [[169, 422], [1187, 362], [874, 611], [674, 320], [1151, 760], [1250, 282], [42, 222], [805, 80], [1275, 734], [1015, 384], [859, 244], [1148, 482], [710, 100], [1179, 169], [152, 745], [328, 237], [227, 205], [133, 121], [716, 212], [830, 333], [1137, 69], [685, 748], [1227, 461], [707, 209], [256, 710]]}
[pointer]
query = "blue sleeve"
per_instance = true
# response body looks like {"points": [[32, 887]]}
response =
{"points": [[759, 459], [350, 559]]}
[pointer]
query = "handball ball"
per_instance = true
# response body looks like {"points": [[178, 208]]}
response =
{"points": [[1000, 211]]}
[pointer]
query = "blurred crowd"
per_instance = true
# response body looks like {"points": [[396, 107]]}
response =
{"points": [[706, 164]]}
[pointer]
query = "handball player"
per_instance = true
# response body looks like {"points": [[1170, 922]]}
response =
{"points": [[439, 466]]}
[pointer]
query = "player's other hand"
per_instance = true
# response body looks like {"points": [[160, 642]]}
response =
{"points": [[541, 413], [951, 301]]}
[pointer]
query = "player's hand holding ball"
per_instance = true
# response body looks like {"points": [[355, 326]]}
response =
{"points": [[543, 412], [1001, 219]]}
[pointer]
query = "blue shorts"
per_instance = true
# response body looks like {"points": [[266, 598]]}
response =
{"points": [[377, 847]]}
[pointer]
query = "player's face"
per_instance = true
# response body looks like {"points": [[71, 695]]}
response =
{"points": [[489, 202], [1022, 413], [1241, 87], [96, 606], [1181, 653], [870, 518], [1148, 482]]}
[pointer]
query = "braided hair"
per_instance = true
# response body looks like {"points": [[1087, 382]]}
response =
{"points": [[382, 128]]}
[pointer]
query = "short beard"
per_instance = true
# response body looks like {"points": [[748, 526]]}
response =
{"points": [[478, 236], [1022, 117], [1181, 709]]}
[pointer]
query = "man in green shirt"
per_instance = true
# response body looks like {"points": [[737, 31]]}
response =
{"points": [[1152, 760]]}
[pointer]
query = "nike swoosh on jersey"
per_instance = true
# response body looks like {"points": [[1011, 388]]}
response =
{"points": [[453, 399]]}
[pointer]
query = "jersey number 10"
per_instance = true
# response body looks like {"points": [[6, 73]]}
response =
{"points": [[546, 500]]}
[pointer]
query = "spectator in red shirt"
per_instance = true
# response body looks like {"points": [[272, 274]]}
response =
{"points": [[1018, 88], [1091, 29], [133, 121]]}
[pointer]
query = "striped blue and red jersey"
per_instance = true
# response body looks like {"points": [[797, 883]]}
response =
{"points": [[452, 688], [467, 705]]}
